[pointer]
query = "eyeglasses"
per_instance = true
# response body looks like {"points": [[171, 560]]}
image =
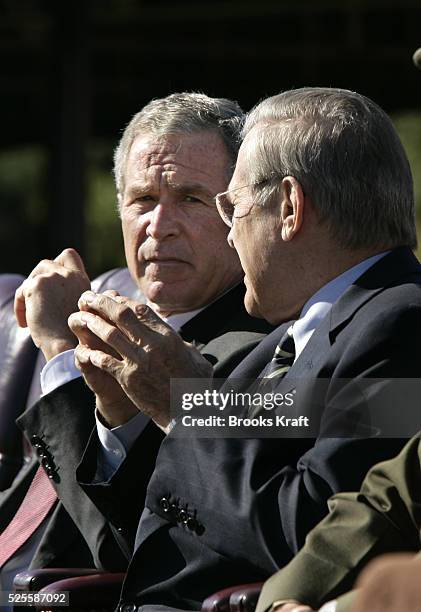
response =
{"points": [[228, 210]]}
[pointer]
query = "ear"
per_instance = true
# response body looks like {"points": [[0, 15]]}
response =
{"points": [[292, 207]]}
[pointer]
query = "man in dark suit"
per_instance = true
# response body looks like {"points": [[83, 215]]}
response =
{"points": [[173, 157], [322, 215]]}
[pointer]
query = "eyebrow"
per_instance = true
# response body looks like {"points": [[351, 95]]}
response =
{"points": [[191, 188], [142, 187]]}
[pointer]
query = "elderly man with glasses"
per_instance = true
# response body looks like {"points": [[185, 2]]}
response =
{"points": [[321, 213]]}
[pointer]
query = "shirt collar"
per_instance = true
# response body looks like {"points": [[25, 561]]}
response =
{"points": [[176, 321], [317, 307]]}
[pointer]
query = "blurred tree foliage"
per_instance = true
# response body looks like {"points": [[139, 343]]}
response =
{"points": [[104, 244], [23, 207]]}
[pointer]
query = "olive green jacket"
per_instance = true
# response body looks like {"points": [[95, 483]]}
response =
{"points": [[384, 517]]}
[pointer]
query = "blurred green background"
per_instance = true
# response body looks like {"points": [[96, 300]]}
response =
{"points": [[75, 72]]}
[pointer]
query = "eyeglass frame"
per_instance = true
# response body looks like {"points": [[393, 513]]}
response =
{"points": [[228, 220]]}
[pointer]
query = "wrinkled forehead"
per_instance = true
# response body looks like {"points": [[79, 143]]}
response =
{"points": [[200, 155]]}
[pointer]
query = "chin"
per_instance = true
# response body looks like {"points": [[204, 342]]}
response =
{"points": [[168, 298], [252, 306]]}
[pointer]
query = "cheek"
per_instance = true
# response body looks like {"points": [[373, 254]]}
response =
{"points": [[210, 244], [134, 233]]}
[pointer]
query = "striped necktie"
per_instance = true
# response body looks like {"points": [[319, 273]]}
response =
{"points": [[283, 357], [36, 505]]}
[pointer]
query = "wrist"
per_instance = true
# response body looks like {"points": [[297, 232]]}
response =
{"points": [[116, 414], [55, 347]]}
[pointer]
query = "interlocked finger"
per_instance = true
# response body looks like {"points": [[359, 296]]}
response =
{"points": [[81, 356], [118, 313], [145, 315], [110, 335], [85, 336]]}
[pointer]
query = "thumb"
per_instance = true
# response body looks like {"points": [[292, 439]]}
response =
{"points": [[19, 306], [71, 260]]}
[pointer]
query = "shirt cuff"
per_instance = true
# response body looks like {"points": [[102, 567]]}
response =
{"points": [[330, 606], [116, 442], [58, 371]]}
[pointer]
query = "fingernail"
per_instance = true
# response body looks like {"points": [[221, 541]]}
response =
{"points": [[88, 297]]}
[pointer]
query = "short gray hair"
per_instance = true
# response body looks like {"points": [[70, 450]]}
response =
{"points": [[345, 152], [182, 113]]}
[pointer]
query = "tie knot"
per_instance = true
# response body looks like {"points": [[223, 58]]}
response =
{"points": [[283, 357], [286, 346]]}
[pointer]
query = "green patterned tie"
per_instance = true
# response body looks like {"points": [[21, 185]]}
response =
{"points": [[283, 357]]}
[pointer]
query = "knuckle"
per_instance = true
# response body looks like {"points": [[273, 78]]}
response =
{"points": [[142, 310], [124, 314], [73, 321], [45, 262], [68, 251], [111, 335], [100, 300], [105, 361], [30, 286]]}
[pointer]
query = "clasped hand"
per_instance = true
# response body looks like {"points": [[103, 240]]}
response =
{"points": [[125, 342]]}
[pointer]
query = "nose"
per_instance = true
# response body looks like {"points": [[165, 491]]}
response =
{"points": [[163, 222]]}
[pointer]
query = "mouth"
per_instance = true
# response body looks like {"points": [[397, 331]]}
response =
{"points": [[164, 261]]}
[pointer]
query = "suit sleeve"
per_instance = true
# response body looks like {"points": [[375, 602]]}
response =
{"points": [[121, 497], [383, 517], [59, 426]]}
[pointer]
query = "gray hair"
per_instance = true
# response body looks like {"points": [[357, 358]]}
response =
{"points": [[182, 113], [346, 154]]}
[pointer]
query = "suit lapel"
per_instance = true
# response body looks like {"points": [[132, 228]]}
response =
{"points": [[387, 272], [391, 269]]}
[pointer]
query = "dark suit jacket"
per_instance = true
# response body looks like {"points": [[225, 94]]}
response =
{"points": [[384, 517], [252, 501], [64, 419], [17, 361]]}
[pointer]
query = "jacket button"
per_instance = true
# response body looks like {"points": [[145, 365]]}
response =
{"points": [[37, 442], [50, 471], [165, 504], [191, 524], [47, 462], [182, 516], [44, 454]]}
